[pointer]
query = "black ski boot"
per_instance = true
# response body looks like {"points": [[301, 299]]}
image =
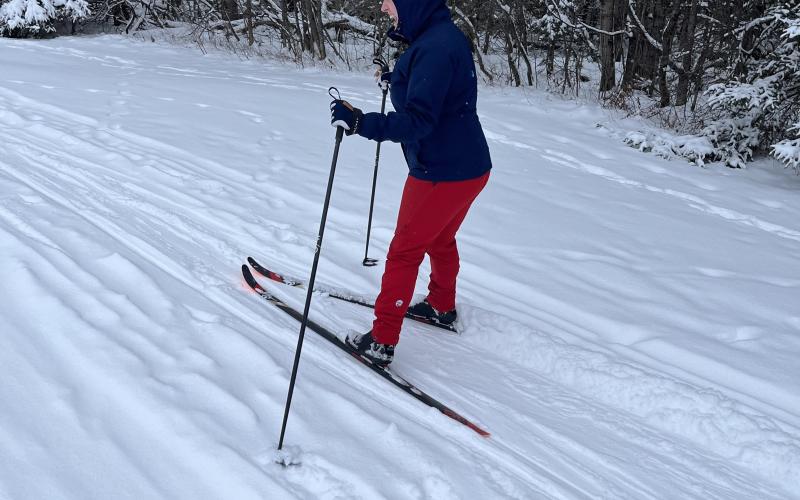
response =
{"points": [[380, 354], [426, 312]]}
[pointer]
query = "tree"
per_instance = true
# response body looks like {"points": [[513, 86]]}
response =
{"points": [[788, 62], [760, 107], [23, 18], [611, 21]]}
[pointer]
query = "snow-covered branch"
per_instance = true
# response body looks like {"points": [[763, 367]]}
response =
{"points": [[632, 11]]}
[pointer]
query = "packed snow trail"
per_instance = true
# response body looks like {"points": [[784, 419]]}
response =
{"points": [[629, 324]]}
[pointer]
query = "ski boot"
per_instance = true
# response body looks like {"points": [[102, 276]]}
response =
{"points": [[425, 311], [379, 354]]}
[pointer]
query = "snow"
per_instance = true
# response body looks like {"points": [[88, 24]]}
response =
{"points": [[629, 324]]}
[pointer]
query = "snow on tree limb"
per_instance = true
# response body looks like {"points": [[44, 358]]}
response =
{"points": [[38, 16], [632, 10]]}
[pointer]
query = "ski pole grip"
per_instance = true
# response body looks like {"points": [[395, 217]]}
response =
{"points": [[338, 97], [383, 64]]}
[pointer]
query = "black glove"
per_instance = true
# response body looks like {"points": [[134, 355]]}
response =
{"points": [[382, 75], [384, 79], [344, 115]]}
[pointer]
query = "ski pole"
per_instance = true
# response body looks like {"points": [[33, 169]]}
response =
{"points": [[369, 262], [339, 134]]}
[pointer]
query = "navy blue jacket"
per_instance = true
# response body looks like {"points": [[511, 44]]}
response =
{"points": [[434, 92]]}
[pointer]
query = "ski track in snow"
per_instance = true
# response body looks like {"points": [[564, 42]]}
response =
{"points": [[693, 201], [135, 358]]}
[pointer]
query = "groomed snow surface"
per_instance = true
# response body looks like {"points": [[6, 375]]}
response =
{"points": [[630, 325]]}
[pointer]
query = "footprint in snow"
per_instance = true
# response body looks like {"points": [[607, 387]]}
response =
{"points": [[273, 136], [29, 199]]}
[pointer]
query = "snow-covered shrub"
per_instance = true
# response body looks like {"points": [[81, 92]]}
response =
{"points": [[733, 139], [24, 18], [697, 150], [788, 151], [757, 110]]}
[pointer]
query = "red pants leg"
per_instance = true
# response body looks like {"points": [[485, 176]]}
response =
{"points": [[445, 264], [429, 217]]}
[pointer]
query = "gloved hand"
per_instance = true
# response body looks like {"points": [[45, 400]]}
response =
{"points": [[344, 115], [384, 79], [382, 75]]}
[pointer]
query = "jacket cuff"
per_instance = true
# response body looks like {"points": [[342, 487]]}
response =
{"points": [[370, 126]]}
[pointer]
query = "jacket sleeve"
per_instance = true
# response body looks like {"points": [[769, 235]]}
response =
{"points": [[430, 75]]}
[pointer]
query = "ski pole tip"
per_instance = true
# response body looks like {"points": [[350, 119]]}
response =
{"points": [[289, 456]]}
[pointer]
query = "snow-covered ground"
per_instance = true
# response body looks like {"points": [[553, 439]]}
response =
{"points": [[631, 326]]}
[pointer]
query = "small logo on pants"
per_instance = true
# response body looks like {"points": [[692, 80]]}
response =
{"points": [[399, 303]]}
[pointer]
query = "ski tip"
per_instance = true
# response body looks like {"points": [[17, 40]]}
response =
{"points": [[263, 271], [248, 276]]}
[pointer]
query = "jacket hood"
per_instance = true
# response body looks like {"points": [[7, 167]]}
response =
{"points": [[415, 16]]}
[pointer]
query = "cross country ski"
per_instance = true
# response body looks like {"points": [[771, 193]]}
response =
{"points": [[339, 294], [386, 373]]}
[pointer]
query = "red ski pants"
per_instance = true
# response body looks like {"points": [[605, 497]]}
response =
{"points": [[430, 215]]}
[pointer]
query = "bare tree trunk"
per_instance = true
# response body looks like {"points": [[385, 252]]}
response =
{"points": [[313, 34], [229, 9], [578, 70], [643, 56], [567, 51], [607, 50], [512, 66], [301, 20], [488, 35], [318, 32], [248, 22], [687, 49], [472, 35], [698, 69], [666, 52], [287, 26], [513, 35], [620, 15], [549, 63], [636, 52], [657, 24], [522, 41]]}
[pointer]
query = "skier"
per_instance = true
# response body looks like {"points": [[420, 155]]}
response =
{"points": [[434, 92]]}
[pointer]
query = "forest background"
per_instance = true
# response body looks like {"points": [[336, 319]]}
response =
{"points": [[721, 77]]}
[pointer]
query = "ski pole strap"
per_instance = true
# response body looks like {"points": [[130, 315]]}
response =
{"points": [[383, 64]]}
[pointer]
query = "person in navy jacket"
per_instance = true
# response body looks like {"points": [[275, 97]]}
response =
{"points": [[434, 93]]}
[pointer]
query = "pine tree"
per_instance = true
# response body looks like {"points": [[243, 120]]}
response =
{"points": [[760, 109], [24, 18], [788, 63]]}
